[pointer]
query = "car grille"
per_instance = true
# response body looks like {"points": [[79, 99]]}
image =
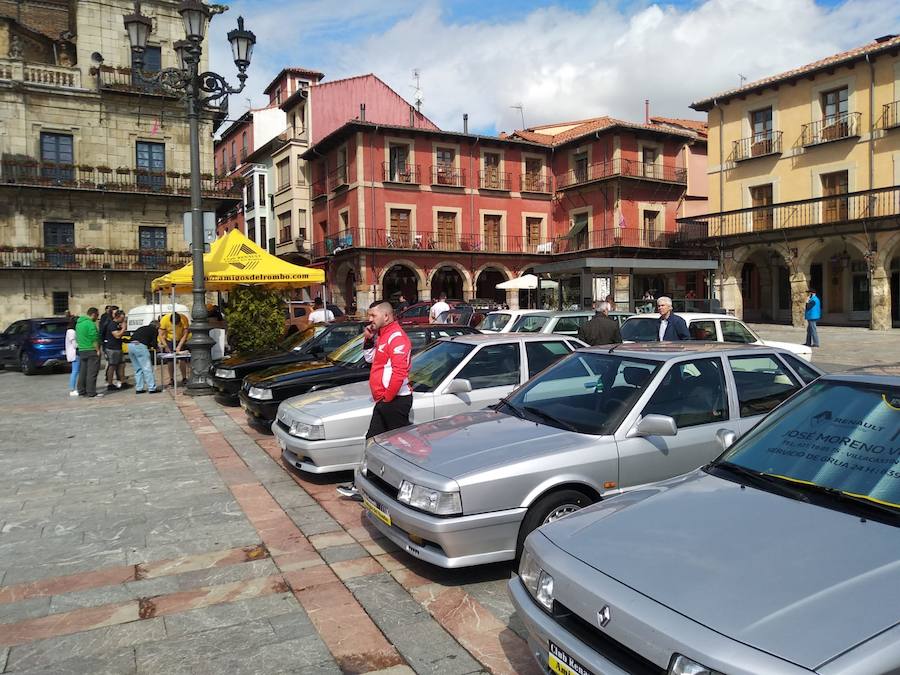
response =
{"points": [[612, 650], [382, 485]]}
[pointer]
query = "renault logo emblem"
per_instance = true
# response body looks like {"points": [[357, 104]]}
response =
{"points": [[603, 616], [382, 470]]}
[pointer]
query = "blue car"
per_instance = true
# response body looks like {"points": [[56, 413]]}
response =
{"points": [[30, 344]]}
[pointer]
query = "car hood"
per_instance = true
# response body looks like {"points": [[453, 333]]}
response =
{"points": [[290, 373], [256, 360], [463, 444], [337, 403], [797, 580]]}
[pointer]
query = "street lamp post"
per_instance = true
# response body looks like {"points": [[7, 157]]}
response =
{"points": [[199, 91]]}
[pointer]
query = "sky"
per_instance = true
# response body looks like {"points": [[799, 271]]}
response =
{"points": [[563, 60]]}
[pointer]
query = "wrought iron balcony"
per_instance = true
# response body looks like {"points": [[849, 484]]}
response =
{"points": [[64, 257], [890, 115], [400, 173], [492, 179], [124, 80], [534, 182], [337, 178], [868, 205], [29, 172], [757, 145], [627, 237], [834, 128], [448, 176], [619, 168], [334, 243], [319, 188]]}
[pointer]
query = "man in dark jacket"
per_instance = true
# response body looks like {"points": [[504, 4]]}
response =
{"points": [[601, 330], [670, 327]]}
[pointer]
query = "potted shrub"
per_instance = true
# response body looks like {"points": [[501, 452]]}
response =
{"points": [[123, 171], [104, 169]]}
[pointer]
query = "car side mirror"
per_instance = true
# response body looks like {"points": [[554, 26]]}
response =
{"points": [[458, 387], [656, 425], [726, 438]]}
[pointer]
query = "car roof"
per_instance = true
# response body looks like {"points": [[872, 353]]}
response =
{"points": [[687, 316], [664, 351], [51, 319], [554, 314], [480, 338]]}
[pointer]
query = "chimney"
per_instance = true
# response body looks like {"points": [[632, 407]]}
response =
{"points": [[646, 111], [412, 116], [362, 112], [465, 123]]}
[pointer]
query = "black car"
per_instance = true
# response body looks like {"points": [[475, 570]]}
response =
{"points": [[263, 391], [30, 344], [312, 343]]}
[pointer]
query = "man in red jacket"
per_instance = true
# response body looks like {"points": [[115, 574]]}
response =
{"points": [[388, 349]]}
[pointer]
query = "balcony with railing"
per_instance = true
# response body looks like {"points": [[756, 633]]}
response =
{"points": [[621, 168], [890, 115], [337, 178], [400, 173], [833, 128], [123, 79], [63, 257], [494, 180], [757, 145], [626, 237], [319, 188], [851, 207], [334, 243], [534, 182], [42, 74], [28, 172], [448, 176]]}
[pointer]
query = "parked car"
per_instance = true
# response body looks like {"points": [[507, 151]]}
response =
{"points": [[31, 344], [502, 320], [561, 323], [313, 343], [468, 490], [420, 312], [325, 431], [780, 557], [263, 392], [714, 327]]}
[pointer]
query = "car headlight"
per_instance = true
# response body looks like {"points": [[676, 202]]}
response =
{"points": [[311, 432], [364, 466], [682, 665], [225, 373], [538, 582], [262, 393], [432, 501]]}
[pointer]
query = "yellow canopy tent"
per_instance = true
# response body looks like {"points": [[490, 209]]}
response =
{"points": [[234, 260]]}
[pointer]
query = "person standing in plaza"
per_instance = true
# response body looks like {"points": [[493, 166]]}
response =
{"points": [[600, 330], [812, 314], [387, 347], [320, 313], [401, 303], [112, 346], [439, 308], [87, 339], [670, 326], [72, 356], [173, 334], [143, 343]]}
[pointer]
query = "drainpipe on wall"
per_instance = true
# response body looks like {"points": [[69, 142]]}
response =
{"points": [[721, 200]]}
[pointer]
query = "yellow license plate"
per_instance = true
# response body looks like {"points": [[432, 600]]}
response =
{"points": [[563, 664], [375, 511]]}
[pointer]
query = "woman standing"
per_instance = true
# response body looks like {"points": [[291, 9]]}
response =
{"points": [[72, 356]]}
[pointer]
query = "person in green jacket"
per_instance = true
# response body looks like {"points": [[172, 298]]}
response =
{"points": [[87, 339]]}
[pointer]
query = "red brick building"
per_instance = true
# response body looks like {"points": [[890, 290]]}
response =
{"points": [[424, 211]]}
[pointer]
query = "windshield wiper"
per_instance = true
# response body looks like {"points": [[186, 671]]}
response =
{"points": [[505, 402], [763, 480], [858, 500], [547, 417]]}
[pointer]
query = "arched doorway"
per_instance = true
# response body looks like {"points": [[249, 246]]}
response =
{"points": [[400, 279], [766, 287], [486, 285], [350, 291], [840, 275], [447, 280]]}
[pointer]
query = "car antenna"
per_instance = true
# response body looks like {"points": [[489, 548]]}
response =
{"points": [[614, 347]]}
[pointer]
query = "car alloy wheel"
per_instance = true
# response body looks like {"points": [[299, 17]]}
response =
{"points": [[548, 508], [560, 512], [25, 364]]}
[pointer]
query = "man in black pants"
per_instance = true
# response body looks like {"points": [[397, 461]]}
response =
{"points": [[388, 349]]}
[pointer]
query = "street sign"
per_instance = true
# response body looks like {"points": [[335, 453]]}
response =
{"points": [[209, 227]]}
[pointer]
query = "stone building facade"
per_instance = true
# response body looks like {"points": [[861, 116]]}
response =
{"points": [[94, 167]]}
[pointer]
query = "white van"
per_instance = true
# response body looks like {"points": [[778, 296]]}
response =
{"points": [[144, 314]]}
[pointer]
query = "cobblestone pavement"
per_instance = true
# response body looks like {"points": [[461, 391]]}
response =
{"points": [[148, 534]]}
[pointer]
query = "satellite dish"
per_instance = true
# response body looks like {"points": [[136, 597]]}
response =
{"points": [[97, 58]]}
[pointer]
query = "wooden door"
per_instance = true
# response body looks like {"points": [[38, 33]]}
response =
{"points": [[446, 230], [492, 233], [400, 228]]}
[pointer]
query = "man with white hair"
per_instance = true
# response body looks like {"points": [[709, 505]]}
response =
{"points": [[600, 330], [670, 326]]}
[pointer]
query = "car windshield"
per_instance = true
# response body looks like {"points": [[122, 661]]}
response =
{"points": [[294, 340], [430, 367], [640, 330], [585, 392], [494, 322], [840, 436], [349, 352], [530, 324]]}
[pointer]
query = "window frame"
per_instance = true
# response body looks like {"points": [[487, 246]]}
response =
{"points": [[516, 347], [742, 413], [725, 392]]}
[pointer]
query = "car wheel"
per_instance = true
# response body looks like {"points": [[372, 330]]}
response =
{"points": [[26, 365], [548, 508]]}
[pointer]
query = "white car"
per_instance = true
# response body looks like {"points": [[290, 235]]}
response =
{"points": [[712, 327], [324, 431], [502, 320]]}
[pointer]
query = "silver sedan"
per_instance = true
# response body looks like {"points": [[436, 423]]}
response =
{"points": [[467, 490]]}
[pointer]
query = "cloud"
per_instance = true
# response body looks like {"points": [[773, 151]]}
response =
{"points": [[559, 63]]}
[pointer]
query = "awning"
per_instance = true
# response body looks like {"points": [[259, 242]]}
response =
{"points": [[578, 224], [234, 260], [526, 282]]}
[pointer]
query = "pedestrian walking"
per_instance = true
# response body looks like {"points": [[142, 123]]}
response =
{"points": [[112, 347], [670, 326], [72, 356], [600, 330], [320, 313], [87, 339], [439, 308], [143, 342], [812, 314], [387, 347]]}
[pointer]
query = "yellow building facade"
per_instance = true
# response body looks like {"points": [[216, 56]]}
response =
{"points": [[804, 190]]}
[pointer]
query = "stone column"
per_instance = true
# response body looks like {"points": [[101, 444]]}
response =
{"points": [[729, 288], [880, 299], [512, 299], [424, 293], [799, 286]]}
